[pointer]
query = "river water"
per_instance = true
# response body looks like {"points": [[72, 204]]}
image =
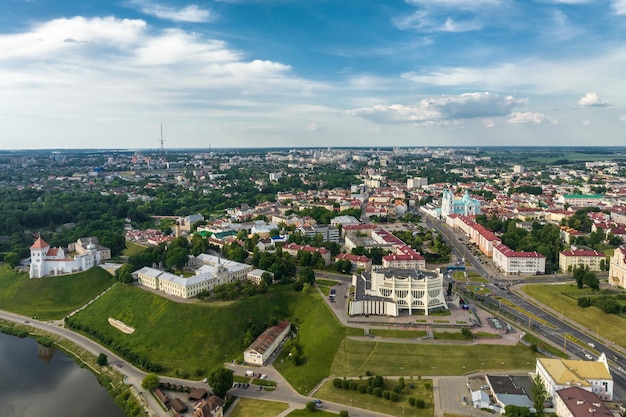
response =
{"points": [[40, 381]]}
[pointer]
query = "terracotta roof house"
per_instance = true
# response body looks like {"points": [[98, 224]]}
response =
{"points": [[260, 351]]}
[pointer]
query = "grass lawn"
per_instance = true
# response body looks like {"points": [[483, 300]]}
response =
{"points": [[356, 358], [258, 408], [545, 346], [306, 413], [133, 249], [50, 297], [564, 298], [398, 334], [326, 282], [449, 335], [320, 334], [370, 402], [188, 340]]}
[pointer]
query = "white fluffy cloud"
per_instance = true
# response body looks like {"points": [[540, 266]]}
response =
{"points": [[81, 69], [58, 36], [619, 6], [529, 118], [441, 109], [623, 118], [191, 13], [592, 100]]}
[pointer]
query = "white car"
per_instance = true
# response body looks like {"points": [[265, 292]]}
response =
{"points": [[588, 356], [591, 344]]}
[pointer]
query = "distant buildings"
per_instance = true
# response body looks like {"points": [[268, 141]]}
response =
{"points": [[45, 260], [580, 200]]}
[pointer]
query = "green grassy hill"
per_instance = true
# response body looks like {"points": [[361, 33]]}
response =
{"points": [[186, 339], [50, 297]]}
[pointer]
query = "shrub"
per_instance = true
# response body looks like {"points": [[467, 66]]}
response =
{"points": [[427, 385], [343, 413], [394, 396], [377, 391], [353, 385], [386, 394], [345, 384], [310, 406], [337, 383], [369, 389], [411, 401], [419, 403], [361, 388]]}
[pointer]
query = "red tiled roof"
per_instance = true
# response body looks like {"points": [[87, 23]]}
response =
{"points": [[510, 253], [582, 253], [40, 244], [353, 258]]}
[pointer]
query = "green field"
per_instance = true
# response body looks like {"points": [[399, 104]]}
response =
{"points": [[133, 249], [356, 358], [564, 298], [258, 408], [320, 334], [50, 297], [370, 402], [398, 334]]}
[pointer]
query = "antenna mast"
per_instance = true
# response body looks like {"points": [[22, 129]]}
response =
{"points": [[162, 150]]}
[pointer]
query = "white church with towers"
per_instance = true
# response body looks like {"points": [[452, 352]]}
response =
{"points": [[45, 260], [466, 206]]}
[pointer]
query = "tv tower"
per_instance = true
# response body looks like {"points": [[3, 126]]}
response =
{"points": [[162, 141]]}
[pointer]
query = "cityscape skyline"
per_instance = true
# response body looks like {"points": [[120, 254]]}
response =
{"points": [[278, 73]]}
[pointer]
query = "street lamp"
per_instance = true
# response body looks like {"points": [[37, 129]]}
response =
{"points": [[350, 400], [502, 363]]}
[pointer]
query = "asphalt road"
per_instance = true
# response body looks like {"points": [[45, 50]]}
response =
{"points": [[560, 327]]}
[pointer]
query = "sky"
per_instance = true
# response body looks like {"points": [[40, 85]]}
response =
{"points": [[316, 73]]}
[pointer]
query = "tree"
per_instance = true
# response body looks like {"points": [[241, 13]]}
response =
{"points": [[306, 275], [12, 259], [467, 333], [343, 413], [539, 394], [310, 406], [220, 380], [102, 360], [124, 274], [176, 258], [150, 382]]}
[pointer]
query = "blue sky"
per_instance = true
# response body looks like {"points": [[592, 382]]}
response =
{"points": [[257, 73]]}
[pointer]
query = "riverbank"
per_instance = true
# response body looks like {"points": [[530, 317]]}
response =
{"points": [[125, 396]]}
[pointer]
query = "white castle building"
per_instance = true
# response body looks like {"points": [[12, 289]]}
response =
{"points": [[45, 260], [212, 272], [387, 291]]}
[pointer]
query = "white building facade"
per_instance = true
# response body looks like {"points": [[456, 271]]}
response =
{"points": [[617, 269], [389, 291], [45, 260]]}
